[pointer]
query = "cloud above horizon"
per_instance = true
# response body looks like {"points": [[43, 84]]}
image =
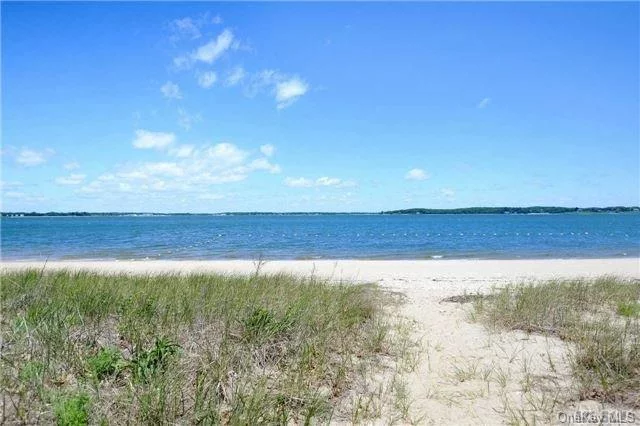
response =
{"points": [[417, 174], [72, 179], [324, 181], [145, 139], [31, 158], [186, 169]]}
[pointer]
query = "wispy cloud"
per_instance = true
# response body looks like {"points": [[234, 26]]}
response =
{"points": [[185, 28], [145, 139], [288, 91], [182, 151], [267, 150], [484, 103], [235, 76], [323, 181], [71, 166], [208, 52], [186, 120], [31, 158], [72, 179], [207, 79], [298, 182], [417, 174], [285, 89], [171, 90], [190, 28]]}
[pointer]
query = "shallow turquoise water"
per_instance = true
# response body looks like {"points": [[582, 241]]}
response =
{"points": [[321, 236]]}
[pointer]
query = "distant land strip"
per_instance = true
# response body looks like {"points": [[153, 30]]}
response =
{"points": [[413, 211]]}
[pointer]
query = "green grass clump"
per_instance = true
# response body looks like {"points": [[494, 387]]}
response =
{"points": [[599, 317], [72, 410], [84, 347], [106, 362], [629, 309], [148, 363]]}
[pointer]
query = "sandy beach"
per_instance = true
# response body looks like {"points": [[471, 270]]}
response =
{"points": [[440, 390]]}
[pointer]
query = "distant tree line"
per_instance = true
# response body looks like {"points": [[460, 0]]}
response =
{"points": [[465, 210], [516, 210]]}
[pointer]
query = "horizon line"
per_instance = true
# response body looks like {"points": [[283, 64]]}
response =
{"points": [[255, 212]]}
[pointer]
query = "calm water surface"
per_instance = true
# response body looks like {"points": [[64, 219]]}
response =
{"points": [[321, 236]]}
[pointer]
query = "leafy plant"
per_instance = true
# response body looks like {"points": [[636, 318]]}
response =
{"points": [[72, 410], [107, 362], [148, 363]]}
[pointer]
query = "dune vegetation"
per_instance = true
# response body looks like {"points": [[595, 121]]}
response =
{"points": [[85, 347], [598, 318]]}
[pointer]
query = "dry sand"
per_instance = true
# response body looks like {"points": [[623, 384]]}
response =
{"points": [[465, 374]]}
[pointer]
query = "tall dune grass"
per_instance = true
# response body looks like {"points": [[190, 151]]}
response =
{"points": [[600, 318], [82, 347]]}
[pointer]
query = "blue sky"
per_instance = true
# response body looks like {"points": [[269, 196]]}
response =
{"points": [[205, 107]]}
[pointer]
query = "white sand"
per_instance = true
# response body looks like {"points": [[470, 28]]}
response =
{"points": [[465, 374]]}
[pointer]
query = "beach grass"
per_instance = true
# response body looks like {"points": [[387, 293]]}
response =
{"points": [[85, 347], [599, 319]]}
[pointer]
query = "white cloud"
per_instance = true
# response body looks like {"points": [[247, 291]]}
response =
{"points": [[416, 174], [186, 120], [264, 164], [267, 150], [157, 140], [190, 28], [298, 182], [182, 151], [287, 92], [162, 168], [285, 89], [181, 62], [207, 79], [185, 28], [224, 154], [171, 90], [323, 181], [484, 103], [71, 166], [30, 158], [261, 81], [327, 181], [208, 52], [211, 51], [73, 179], [235, 76], [188, 169]]}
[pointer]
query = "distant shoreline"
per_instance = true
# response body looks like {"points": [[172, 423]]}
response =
{"points": [[413, 211]]}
